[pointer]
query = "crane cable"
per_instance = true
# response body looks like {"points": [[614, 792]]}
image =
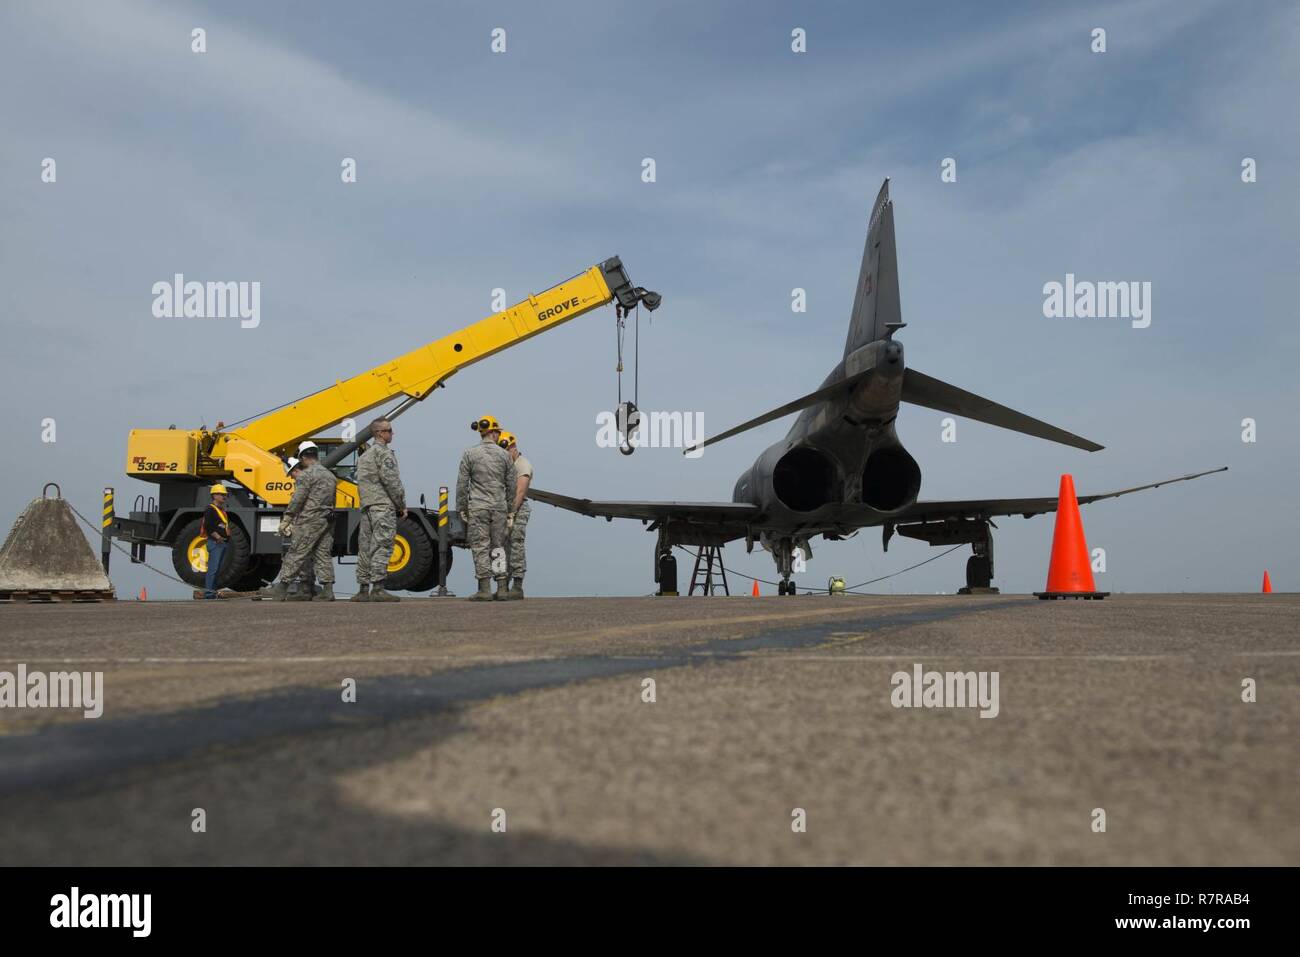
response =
{"points": [[632, 416], [266, 412], [90, 525]]}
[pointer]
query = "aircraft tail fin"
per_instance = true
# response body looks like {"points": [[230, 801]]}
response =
{"points": [[876, 308]]}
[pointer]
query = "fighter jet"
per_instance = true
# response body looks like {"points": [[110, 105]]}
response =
{"points": [[842, 467]]}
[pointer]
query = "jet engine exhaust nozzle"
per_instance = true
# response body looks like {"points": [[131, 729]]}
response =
{"points": [[891, 479]]}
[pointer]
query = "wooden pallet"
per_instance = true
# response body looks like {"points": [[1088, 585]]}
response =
{"points": [[52, 595]]}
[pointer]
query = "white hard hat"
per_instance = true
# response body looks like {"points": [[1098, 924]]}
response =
{"points": [[292, 464], [307, 446]]}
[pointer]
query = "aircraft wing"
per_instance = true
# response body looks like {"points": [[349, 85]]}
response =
{"points": [[720, 513], [1028, 507], [734, 518]]}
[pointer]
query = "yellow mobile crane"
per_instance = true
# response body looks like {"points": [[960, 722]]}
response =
{"points": [[185, 463]]}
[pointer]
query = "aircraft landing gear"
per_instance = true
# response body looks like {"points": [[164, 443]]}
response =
{"points": [[665, 566], [783, 553], [976, 531], [979, 567]]}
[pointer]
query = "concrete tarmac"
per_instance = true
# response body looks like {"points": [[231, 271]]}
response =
{"points": [[767, 713]]}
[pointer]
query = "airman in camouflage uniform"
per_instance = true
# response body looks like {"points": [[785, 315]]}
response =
{"points": [[485, 490], [383, 502], [517, 520], [308, 523]]}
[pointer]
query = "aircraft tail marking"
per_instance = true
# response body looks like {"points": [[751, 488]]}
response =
{"points": [[875, 302]]}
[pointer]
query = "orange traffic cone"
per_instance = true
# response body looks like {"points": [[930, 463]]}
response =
{"points": [[144, 595], [755, 589], [1268, 585], [1070, 573]]}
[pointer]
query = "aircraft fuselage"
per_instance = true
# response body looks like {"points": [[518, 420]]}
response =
{"points": [[842, 450]]}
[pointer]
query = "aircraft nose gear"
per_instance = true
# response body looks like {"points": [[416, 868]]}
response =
{"points": [[783, 553]]}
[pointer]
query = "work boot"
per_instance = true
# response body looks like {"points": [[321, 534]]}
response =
{"points": [[378, 594], [300, 593], [501, 590], [363, 593], [326, 592], [484, 592], [276, 592], [516, 590]]}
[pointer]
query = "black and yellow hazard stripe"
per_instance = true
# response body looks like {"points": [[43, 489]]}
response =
{"points": [[442, 506], [106, 536]]}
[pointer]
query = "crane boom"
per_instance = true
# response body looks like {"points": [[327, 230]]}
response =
{"points": [[421, 370], [251, 453]]}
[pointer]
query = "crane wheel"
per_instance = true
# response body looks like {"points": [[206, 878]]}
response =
{"points": [[190, 556], [430, 581], [414, 555], [262, 570]]}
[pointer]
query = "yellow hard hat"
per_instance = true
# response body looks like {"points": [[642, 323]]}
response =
{"points": [[485, 423], [218, 489], [506, 440]]}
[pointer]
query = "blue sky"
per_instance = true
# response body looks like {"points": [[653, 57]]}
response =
{"points": [[479, 170]]}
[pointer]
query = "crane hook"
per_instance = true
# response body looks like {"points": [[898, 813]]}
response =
{"points": [[629, 420]]}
